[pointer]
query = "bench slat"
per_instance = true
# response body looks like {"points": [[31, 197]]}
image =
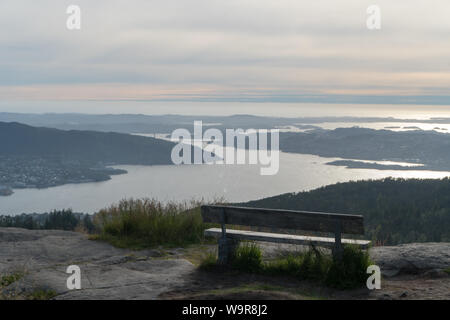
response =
{"points": [[283, 219], [283, 238]]}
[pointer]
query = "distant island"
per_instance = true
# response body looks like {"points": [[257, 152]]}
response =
{"points": [[352, 164], [140, 123], [430, 148], [5, 191]]}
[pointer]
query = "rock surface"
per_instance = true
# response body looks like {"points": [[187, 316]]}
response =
{"points": [[106, 272], [111, 273], [414, 258]]}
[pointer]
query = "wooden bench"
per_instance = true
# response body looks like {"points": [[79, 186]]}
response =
{"points": [[282, 219]]}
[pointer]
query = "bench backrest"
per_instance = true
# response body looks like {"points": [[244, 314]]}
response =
{"points": [[284, 219]]}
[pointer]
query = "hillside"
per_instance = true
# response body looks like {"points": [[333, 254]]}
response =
{"points": [[35, 157], [86, 146], [423, 147], [395, 210]]}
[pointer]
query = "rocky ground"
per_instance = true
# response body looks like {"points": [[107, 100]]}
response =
{"points": [[40, 259]]}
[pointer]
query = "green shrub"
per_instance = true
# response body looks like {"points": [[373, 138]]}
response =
{"points": [[350, 272], [247, 258], [146, 223], [315, 265]]}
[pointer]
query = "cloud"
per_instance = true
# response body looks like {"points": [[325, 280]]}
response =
{"points": [[207, 48]]}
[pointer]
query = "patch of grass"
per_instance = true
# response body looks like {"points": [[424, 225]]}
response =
{"points": [[248, 258], [146, 223], [6, 280], [209, 262], [37, 294], [41, 294], [313, 264], [447, 270]]}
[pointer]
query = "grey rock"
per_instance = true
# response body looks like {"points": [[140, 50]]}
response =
{"points": [[436, 274], [106, 272], [413, 258], [111, 273]]}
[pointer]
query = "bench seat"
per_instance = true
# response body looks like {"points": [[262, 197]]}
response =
{"points": [[283, 238]]}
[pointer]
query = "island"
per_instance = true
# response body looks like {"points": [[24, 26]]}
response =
{"points": [[354, 164], [5, 191]]}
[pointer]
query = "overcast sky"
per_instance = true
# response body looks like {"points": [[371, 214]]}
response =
{"points": [[221, 50]]}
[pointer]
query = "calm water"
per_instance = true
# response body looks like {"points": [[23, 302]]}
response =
{"points": [[233, 182]]}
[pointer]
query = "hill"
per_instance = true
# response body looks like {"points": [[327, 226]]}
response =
{"points": [[36, 157], [430, 148], [395, 210], [86, 146]]}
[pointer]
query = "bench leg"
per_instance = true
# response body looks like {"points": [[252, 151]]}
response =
{"points": [[337, 250], [227, 247]]}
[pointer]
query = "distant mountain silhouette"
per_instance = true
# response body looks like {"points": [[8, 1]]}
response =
{"points": [[17, 139]]}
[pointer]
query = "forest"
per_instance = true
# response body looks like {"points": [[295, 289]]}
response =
{"points": [[395, 210], [55, 220]]}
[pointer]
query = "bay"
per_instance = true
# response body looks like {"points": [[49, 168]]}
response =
{"points": [[235, 183]]}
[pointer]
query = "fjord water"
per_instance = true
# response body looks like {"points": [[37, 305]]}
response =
{"points": [[186, 182], [234, 183]]}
